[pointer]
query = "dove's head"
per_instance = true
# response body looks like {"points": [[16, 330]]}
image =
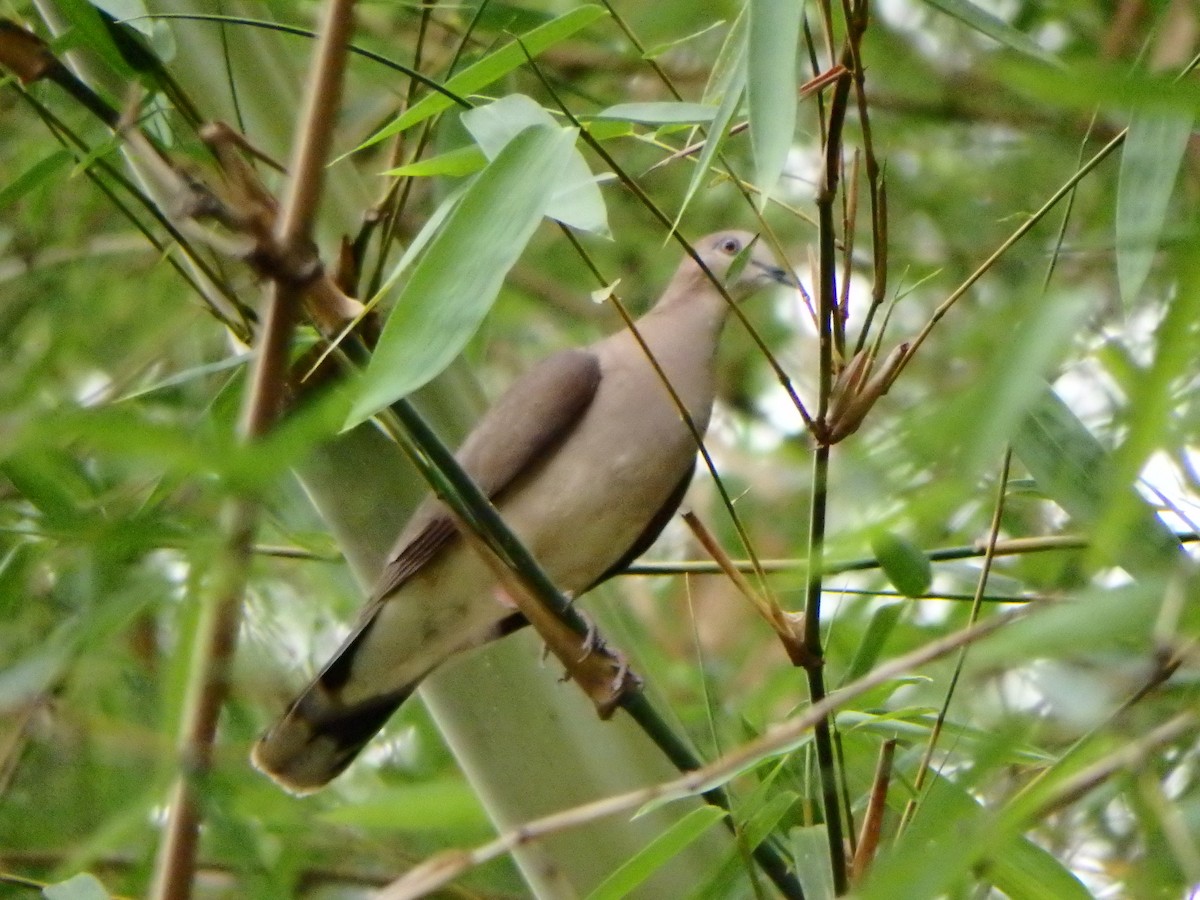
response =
{"points": [[739, 260]]}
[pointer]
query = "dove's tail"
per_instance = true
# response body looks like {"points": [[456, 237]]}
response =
{"points": [[324, 729], [319, 736]]}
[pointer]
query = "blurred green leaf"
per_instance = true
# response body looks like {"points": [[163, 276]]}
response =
{"points": [[1015, 376], [1155, 395], [774, 32], [434, 805], [1150, 161], [52, 480], [906, 567], [994, 27], [870, 648], [1117, 620], [37, 174], [1071, 467], [1091, 84], [762, 823], [914, 725], [78, 887], [931, 859]]}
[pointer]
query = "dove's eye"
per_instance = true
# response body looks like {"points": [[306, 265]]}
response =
{"points": [[731, 246]]}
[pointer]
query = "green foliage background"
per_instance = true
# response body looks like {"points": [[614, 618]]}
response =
{"points": [[119, 393]]}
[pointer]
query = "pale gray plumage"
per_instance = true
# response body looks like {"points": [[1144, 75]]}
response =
{"points": [[586, 457]]}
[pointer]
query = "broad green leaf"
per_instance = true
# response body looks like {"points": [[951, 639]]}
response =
{"points": [[771, 87], [996, 28], [660, 113], [1071, 468], [84, 886], [40, 172], [492, 67], [452, 287], [494, 124], [576, 199], [1150, 163], [427, 233], [462, 161], [658, 852], [905, 566], [810, 850]]}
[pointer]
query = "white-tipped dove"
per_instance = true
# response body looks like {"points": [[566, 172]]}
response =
{"points": [[586, 457]]}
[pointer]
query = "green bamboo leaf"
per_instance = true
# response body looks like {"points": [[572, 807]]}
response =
{"points": [[453, 163], [453, 286], [576, 200], [52, 480], [994, 27], [40, 172], [491, 68], [659, 851], [760, 826], [1072, 467], [1150, 162], [905, 566], [810, 849], [729, 75], [660, 113], [983, 418], [771, 87], [870, 648]]}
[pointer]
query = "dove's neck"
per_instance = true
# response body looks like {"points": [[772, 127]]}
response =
{"points": [[682, 332]]}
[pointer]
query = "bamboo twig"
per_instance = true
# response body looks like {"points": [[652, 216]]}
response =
{"points": [[216, 638]]}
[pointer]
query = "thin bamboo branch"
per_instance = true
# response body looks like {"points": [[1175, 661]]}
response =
{"points": [[826, 291], [216, 638]]}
